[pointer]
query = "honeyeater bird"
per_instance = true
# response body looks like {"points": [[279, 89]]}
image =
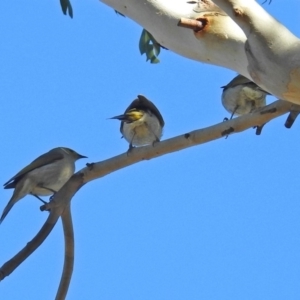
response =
{"points": [[242, 96], [44, 176], [141, 124]]}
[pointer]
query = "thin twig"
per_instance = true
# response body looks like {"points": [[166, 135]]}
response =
{"points": [[196, 25]]}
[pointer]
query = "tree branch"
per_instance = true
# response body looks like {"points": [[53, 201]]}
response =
{"points": [[63, 197], [31, 246], [190, 139], [242, 37], [221, 42], [66, 276]]}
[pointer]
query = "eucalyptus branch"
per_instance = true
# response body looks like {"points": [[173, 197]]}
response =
{"points": [[31, 246], [93, 171], [189, 139], [221, 42], [236, 34], [65, 194], [66, 276], [273, 55]]}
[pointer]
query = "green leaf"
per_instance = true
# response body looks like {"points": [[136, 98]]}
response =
{"points": [[156, 48], [144, 41], [149, 52], [66, 7], [149, 46], [154, 60]]}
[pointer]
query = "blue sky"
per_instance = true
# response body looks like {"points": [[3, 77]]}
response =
{"points": [[216, 221]]}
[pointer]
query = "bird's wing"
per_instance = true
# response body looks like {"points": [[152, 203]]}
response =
{"points": [[143, 102], [240, 79], [45, 159]]}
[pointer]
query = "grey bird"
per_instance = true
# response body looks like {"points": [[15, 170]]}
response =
{"points": [[142, 123], [242, 96], [42, 177]]}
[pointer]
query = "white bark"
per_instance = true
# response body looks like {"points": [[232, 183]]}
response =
{"points": [[221, 44], [247, 39], [273, 52]]}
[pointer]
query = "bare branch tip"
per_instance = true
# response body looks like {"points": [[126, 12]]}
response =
{"points": [[193, 24]]}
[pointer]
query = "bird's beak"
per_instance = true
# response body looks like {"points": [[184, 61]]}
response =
{"points": [[120, 117], [81, 156]]}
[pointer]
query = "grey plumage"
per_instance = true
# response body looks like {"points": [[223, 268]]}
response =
{"points": [[43, 176], [241, 96]]}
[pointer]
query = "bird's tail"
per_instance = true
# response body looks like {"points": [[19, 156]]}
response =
{"points": [[18, 194], [7, 208]]}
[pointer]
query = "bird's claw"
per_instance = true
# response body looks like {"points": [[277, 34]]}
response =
{"points": [[227, 132], [130, 149], [90, 166]]}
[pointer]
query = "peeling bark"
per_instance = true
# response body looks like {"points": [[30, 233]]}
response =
{"points": [[240, 36], [221, 42], [273, 52]]}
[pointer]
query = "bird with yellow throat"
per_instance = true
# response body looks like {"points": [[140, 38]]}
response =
{"points": [[142, 123]]}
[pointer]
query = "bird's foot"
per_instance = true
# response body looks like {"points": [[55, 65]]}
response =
{"points": [[51, 197], [46, 204], [259, 129], [44, 207], [155, 142], [227, 132], [130, 149], [90, 166]]}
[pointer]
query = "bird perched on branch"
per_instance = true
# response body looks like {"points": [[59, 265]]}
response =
{"points": [[141, 123], [242, 96], [42, 177]]}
